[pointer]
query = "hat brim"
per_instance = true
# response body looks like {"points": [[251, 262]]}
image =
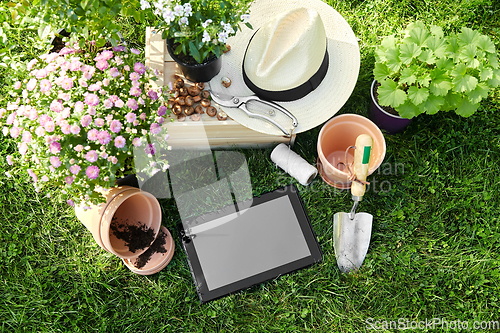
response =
{"points": [[319, 105]]}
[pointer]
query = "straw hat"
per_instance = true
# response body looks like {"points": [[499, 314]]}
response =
{"points": [[301, 54]]}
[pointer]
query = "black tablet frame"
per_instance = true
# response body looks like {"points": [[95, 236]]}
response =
{"points": [[315, 256]]}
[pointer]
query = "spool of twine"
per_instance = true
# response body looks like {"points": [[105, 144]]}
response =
{"points": [[293, 164]]}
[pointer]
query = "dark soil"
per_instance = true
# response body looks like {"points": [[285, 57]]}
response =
{"points": [[157, 247], [386, 108], [136, 237]]}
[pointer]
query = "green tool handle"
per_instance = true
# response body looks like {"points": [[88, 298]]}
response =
{"points": [[364, 144]]}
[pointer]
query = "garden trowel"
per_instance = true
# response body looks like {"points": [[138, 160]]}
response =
{"points": [[352, 231]]}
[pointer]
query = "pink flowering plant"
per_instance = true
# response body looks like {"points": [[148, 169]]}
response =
{"points": [[77, 119], [199, 28]]}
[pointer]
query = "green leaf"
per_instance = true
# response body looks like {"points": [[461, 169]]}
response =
{"points": [[440, 82], [249, 25], [137, 16], [469, 36], [84, 4], [81, 43], [100, 42], [390, 95], [424, 79], [437, 31], [407, 76], [418, 95], [418, 36], [428, 57], [495, 81], [438, 46], [408, 52], [485, 44], [453, 47], [468, 56], [381, 71], [408, 110], [462, 81], [466, 108], [486, 73], [432, 105], [194, 52], [393, 61], [492, 58], [389, 42], [446, 64], [478, 94], [451, 101]]}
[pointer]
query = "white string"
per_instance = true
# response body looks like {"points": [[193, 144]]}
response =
{"points": [[293, 164]]}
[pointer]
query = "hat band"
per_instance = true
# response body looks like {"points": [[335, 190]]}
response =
{"points": [[290, 94]]}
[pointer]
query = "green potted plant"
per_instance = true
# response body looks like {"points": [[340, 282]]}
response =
{"points": [[78, 118], [423, 71], [196, 31]]}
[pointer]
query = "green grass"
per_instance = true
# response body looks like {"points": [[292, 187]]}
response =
{"points": [[434, 252]]}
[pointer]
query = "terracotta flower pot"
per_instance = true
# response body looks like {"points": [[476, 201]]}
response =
{"points": [[391, 123], [335, 137], [129, 206]]}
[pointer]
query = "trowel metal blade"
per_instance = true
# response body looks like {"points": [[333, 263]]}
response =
{"points": [[351, 239]]}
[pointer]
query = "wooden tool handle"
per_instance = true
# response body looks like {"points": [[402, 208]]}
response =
{"points": [[364, 144]]}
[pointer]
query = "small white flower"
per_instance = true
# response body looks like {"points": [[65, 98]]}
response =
{"points": [[206, 37], [179, 10], [145, 4], [183, 20], [245, 18], [206, 23], [168, 16]]}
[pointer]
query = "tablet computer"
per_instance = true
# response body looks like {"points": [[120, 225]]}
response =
{"points": [[249, 243]]}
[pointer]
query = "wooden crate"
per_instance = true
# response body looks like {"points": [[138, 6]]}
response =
{"points": [[209, 132]]}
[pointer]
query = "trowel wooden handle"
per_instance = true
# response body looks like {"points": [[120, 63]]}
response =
{"points": [[364, 144]]}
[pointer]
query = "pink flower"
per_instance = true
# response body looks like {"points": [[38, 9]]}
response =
{"points": [[135, 51], [132, 103], [27, 136], [143, 116], [99, 122], [139, 68], [135, 91], [134, 76], [162, 110], [114, 160], [153, 95], [108, 104], [92, 135], [11, 118], [119, 48], [65, 127], [79, 106], [137, 142], [104, 137], [91, 111], [75, 129], [75, 169], [50, 126], [94, 87], [92, 172], [31, 84], [31, 64], [114, 72], [75, 65], [119, 142], [130, 117], [83, 82], [104, 155], [41, 73], [65, 113], [54, 160], [150, 149], [40, 131], [106, 82], [91, 156], [86, 120], [44, 119], [119, 103], [78, 148], [113, 98], [67, 84], [92, 99], [106, 55], [126, 67], [69, 180], [23, 148], [45, 178], [136, 122], [71, 202], [102, 65], [65, 66], [14, 132], [116, 126], [56, 106], [9, 160], [17, 85], [45, 85], [55, 148], [155, 128]]}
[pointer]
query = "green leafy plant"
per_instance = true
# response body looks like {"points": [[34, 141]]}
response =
{"points": [[199, 28], [424, 71], [84, 19]]}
